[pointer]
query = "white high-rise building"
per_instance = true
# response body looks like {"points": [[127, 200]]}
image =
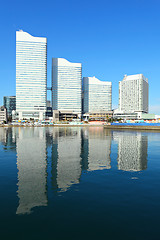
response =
{"points": [[66, 86], [31, 76], [97, 95], [133, 94]]}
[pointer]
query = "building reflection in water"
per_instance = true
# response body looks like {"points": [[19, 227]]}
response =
{"points": [[66, 151], [132, 150], [8, 138], [73, 150], [76, 149], [96, 148], [31, 165]]}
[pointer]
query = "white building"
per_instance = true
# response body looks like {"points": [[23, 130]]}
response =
{"points": [[133, 94], [66, 86], [97, 96], [31, 75]]}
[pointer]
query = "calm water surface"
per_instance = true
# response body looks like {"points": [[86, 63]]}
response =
{"points": [[79, 183]]}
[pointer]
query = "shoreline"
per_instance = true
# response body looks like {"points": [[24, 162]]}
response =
{"points": [[107, 127], [57, 125], [128, 127]]}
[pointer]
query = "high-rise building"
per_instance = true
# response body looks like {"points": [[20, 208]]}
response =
{"points": [[10, 104], [97, 96], [31, 76], [66, 86], [133, 94]]}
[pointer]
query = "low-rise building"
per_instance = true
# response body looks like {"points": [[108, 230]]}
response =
{"points": [[63, 115], [126, 115], [134, 115], [101, 115]]}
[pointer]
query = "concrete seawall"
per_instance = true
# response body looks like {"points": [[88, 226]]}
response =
{"points": [[129, 127]]}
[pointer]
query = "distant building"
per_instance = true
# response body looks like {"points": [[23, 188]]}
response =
{"points": [[49, 103], [31, 76], [3, 114], [66, 87], [49, 112], [133, 96], [97, 102], [10, 104]]}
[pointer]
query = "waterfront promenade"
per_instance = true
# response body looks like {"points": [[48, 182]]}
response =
{"points": [[112, 126]]}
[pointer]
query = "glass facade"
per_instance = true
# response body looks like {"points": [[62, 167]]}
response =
{"points": [[10, 104], [66, 85], [31, 75], [97, 95]]}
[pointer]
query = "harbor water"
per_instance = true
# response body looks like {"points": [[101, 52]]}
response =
{"points": [[79, 183]]}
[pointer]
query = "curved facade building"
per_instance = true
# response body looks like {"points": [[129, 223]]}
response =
{"points": [[97, 95], [31, 76], [66, 85]]}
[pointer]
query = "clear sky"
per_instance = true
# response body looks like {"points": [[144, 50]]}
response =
{"points": [[109, 37]]}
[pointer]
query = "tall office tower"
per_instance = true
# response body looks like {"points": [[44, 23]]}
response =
{"points": [[97, 97], [31, 76], [10, 104], [66, 86], [133, 94]]}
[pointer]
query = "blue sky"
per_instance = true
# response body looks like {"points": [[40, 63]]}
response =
{"points": [[109, 38]]}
